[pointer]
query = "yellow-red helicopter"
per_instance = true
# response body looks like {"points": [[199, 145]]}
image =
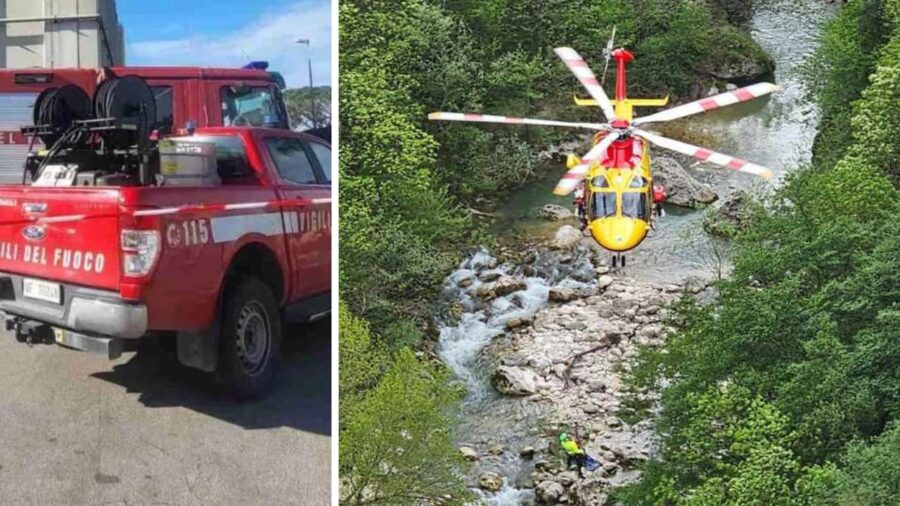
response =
{"points": [[619, 198]]}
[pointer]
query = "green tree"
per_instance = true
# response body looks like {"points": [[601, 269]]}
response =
{"points": [[396, 449], [362, 362], [872, 474], [727, 448], [309, 108]]}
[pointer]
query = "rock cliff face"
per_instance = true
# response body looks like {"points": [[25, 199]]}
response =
{"points": [[682, 188], [729, 215]]}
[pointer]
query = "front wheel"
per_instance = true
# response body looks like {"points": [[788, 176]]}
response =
{"points": [[251, 337]]}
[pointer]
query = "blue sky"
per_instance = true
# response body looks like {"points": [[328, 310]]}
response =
{"points": [[230, 33]]}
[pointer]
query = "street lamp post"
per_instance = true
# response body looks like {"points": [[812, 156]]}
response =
{"points": [[312, 101]]}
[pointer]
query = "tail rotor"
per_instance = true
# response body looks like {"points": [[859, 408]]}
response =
{"points": [[607, 55]]}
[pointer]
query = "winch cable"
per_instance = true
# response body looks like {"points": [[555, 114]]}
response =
{"points": [[73, 132]]}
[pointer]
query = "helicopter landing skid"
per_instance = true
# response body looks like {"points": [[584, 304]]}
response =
{"points": [[617, 260]]}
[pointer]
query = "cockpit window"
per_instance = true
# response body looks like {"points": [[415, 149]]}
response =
{"points": [[635, 205], [637, 181], [600, 182], [603, 204]]}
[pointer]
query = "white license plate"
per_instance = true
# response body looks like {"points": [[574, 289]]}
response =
{"points": [[42, 290]]}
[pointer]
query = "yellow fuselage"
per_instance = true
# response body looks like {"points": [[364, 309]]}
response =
{"points": [[619, 204]]}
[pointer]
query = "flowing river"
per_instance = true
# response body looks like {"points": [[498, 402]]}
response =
{"points": [[776, 132]]}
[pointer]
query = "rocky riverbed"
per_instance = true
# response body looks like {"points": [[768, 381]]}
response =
{"points": [[542, 337]]}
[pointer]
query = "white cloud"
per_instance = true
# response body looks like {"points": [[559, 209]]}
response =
{"points": [[271, 37]]}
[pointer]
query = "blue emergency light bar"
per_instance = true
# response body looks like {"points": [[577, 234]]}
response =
{"points": [[257, 65]]}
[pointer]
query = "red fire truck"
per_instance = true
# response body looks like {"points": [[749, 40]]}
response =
{"points": [[214, 237]]}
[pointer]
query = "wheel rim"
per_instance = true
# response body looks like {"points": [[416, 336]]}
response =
{"points": [[253, 337]]}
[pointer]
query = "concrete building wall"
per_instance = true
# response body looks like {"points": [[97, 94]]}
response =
{"points": [[47, 39]]}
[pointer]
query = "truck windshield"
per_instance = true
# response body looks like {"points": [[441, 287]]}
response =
{"points": [[250, 106]]}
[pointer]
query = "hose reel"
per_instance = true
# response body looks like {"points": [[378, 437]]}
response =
{"points": [[58, 108], [113, 130], [123, 112], [129, 102]]}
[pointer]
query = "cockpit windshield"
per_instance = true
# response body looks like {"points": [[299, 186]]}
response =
{"points": [[635, 205], [603, 204]]}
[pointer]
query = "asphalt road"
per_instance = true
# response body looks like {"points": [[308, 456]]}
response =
{"points": [[82, 430]]}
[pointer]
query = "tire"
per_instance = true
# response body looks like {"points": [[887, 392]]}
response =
{"points": [[250, 344]]}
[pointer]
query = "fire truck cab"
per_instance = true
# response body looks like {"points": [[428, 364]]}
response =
{"points": [[201, 97]]}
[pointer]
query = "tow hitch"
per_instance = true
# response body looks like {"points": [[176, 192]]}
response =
{"points": [[29, 331], [32, 332]]}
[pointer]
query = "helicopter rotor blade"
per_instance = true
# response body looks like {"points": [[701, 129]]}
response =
{"points": [[704, 154], [570, 179], [507, 120], [707, 104], [607, 54], [586, 76]]}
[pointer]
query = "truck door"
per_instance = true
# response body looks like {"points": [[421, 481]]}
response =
{"points": [[298, 175]]}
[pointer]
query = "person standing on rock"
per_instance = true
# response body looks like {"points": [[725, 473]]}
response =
{"points": [[578, 202], [574, 453]]}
